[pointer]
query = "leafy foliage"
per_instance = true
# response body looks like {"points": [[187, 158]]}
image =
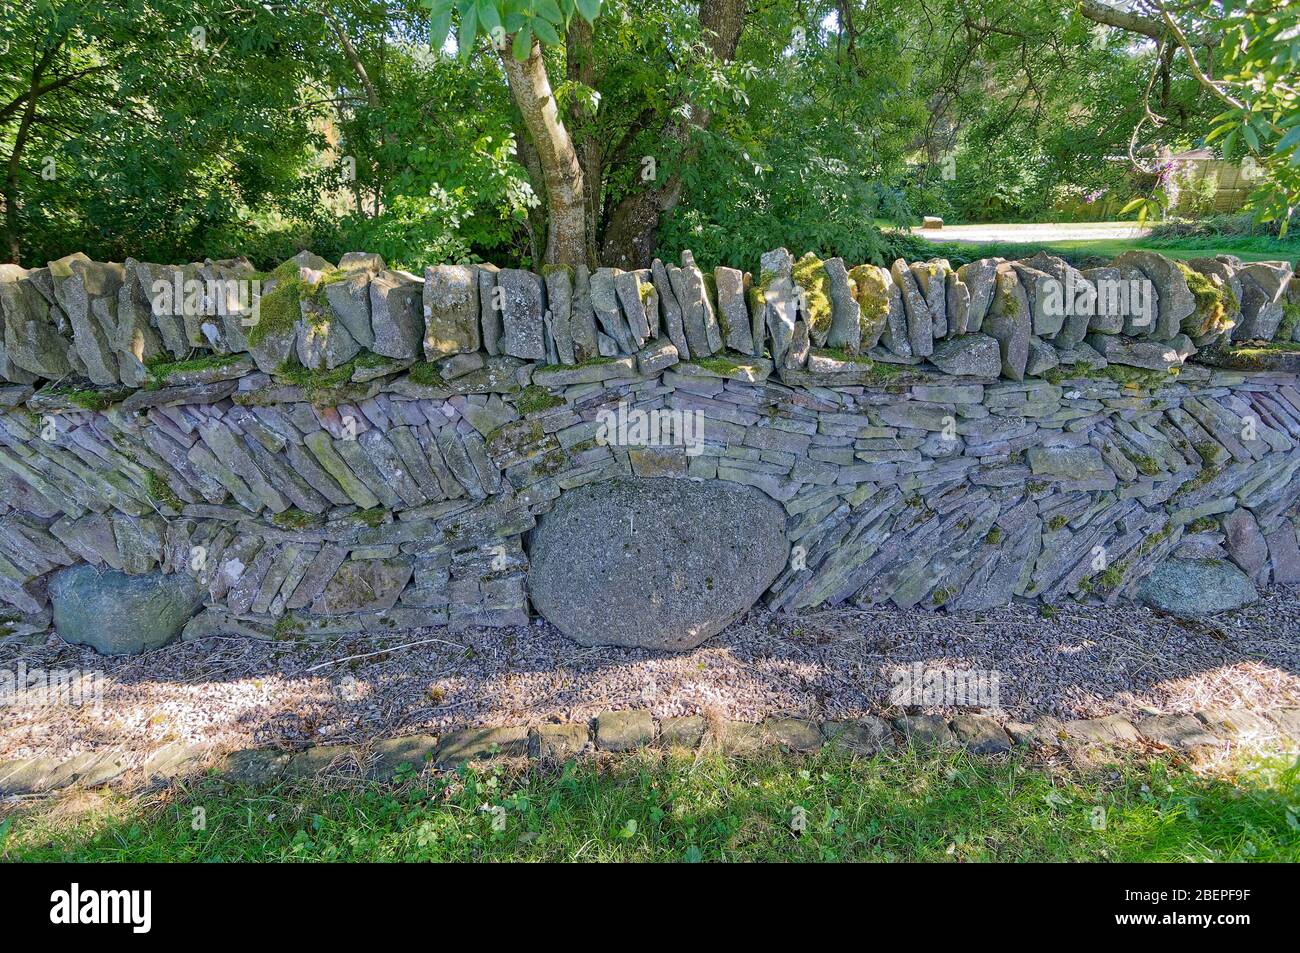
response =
{"points": [[181, 130]]}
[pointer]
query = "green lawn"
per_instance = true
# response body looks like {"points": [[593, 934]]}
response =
{"points": [[1247, 248], [907, 806]]}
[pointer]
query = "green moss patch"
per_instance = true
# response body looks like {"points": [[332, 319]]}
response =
{"points": [[1211, 314], [870, 288], [532, 399], [810, 275], [161, 492], [278, 310], [160, 369], [426, 375], [294, 518]]}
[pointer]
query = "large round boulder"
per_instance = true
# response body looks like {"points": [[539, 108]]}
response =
{"points": [[1196, 587], [654, 563], [120, 614]]}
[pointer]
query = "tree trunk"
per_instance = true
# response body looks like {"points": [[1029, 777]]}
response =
{"points": [[580, 67], [13, 233], [632, 233], [566, 239]]}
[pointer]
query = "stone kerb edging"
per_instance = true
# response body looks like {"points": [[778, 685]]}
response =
{"points": [[1215, 731]]}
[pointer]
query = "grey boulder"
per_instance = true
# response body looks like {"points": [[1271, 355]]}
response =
{"points": [[120, 614], [655, 563], [1196, 587]]}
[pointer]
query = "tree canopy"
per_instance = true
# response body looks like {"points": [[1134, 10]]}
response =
{"points": [[605, 131]]}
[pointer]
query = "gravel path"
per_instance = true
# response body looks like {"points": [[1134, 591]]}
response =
{"points": [[1082, 662]]}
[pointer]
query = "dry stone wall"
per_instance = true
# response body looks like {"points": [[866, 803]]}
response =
{"points": [[329, 449]]}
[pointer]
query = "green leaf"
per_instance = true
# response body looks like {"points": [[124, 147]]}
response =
{"points": [[589, 9], [1289, 141], [545, 32], [440, 23], [491, 21], [468, 31], [550, 10], [523, 44]]}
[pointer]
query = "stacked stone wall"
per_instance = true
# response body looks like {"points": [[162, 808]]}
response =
{"points": [[353, 447]]}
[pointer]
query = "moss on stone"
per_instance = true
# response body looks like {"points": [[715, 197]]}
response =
{"points": [[533, 398], [718, 365], [1057, 523], [279, 309], [317, 384], [1136, 377], [1207, 451], [1259, 356], [810, 275], [1009, 301], [426, 375], [288, 628], [373, 517], [1290, 321], [160, 490], [294, 518], [1203, 524], [548, 270], [1147, 465], [1211, 301], [160, 368], [994, 536], [1109, 579], [87, 398], [871, 290]]}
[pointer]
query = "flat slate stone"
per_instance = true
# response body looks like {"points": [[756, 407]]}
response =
{"points": [[558, 742], [925, 730], [981, 734], [685, 731], [451, 311], [1238, 724], [396, 320], [521, 295], [477, 744], [1109, 729], [393, 755], [654, 563], [321, 759], [733, 313], [971, 355], [1184, 732], [593, 372], [863, 736], [1288, 719], [624, 730], [794, 734]]}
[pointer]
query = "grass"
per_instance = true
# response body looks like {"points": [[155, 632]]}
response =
{"points": [[903, 807], [1246, 247]]}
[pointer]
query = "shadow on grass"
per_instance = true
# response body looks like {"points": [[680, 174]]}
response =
{"points": [[906, 806]]}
